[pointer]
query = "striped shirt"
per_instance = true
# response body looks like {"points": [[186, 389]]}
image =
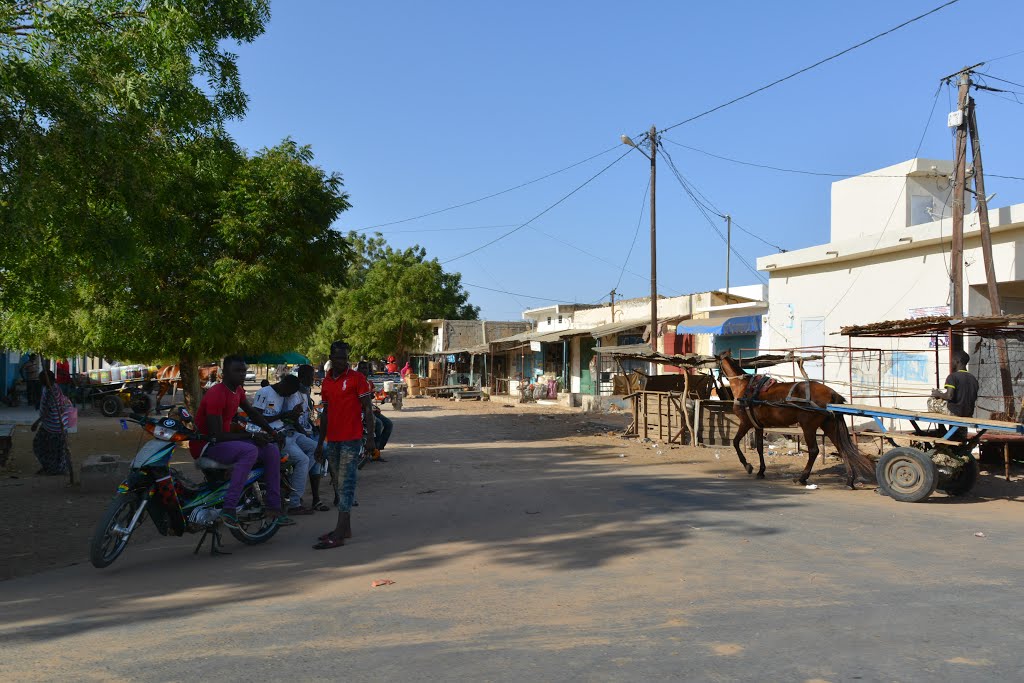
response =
{"points": [[53, 411]]}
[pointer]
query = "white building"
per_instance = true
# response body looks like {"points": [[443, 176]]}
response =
{"points": [[888, 259]]}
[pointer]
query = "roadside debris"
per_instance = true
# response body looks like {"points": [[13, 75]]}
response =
{"points": [[812, 487], [381, 582], [980, 534]]}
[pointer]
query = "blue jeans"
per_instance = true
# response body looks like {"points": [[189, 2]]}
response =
{"points": [[343, 456], [382, 427], [299, 448]]}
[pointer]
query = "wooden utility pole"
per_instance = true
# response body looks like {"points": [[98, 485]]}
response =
{"points": [[994, 302], [728, 250], [612, 295], [956, 266], [654, 244]]}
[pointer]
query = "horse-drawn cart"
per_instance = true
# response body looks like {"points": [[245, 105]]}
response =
{"points": [[925, 458]]}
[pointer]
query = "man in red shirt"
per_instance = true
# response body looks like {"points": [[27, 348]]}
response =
{"points": [[346, 426], [242, 449], [64, 376]]}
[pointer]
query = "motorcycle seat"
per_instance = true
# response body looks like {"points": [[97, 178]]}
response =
{"points": [[205, 463]]}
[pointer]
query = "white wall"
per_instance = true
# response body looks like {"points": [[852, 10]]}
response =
{"points": [[859, 286], [883, 199]]}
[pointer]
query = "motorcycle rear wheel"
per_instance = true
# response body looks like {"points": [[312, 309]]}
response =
{"points": [[257, 531], [107, 544]]}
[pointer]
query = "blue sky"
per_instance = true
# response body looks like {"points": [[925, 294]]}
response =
{"points": [[421, 106]]}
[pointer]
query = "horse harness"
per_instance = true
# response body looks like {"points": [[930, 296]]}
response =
{"points": [[759, 384]]}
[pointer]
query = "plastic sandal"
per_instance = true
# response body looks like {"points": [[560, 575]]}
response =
{"points": [[328, 544]]}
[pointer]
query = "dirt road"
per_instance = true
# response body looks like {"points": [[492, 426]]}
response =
{"points": [[522, 546]]}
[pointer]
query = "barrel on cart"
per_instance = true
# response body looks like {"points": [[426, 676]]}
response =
{"points": [[925, 459]]}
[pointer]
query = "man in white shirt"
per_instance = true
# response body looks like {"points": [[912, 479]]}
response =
{"points": [[287, 410]]}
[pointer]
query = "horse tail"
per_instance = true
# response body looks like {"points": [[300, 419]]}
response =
{"points": [[837, 397], [862, 467]]}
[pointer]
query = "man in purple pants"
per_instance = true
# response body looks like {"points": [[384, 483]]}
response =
{"points": [[241, 449]]}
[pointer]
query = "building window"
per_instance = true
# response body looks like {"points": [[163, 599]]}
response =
{"points": [[549, 320], [559, 320], [436, 331]]}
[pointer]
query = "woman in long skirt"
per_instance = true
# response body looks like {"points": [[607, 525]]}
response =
{"points": [[50, 444]]}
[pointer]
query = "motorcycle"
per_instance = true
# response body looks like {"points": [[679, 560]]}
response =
{"points": [[174, 504]]}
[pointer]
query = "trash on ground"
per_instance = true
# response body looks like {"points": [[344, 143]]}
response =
{"points": [[980, 534], [622, 455], [381, 582], [812, 487], [718, 456], [437, 461]]}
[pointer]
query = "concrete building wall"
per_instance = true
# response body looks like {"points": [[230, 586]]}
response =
{"points": [[904, 194], [888, 275]]}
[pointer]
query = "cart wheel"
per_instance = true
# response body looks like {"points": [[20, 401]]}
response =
{"points": [[141, 404], [906, 474], [965, 479], [111, 406]]}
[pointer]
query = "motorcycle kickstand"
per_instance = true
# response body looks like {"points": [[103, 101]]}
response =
{"points": [[215, 543]]}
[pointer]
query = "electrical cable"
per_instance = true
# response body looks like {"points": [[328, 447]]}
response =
{"points": [[896, 204], [512, 294], [636, 233], [490, 196], [475, 227], [704, 210], [549, 208], [997, 78], [812, 66]]}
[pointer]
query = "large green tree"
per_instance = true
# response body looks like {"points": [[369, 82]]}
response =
{"points": [[130, 225], [240, 261], [390, 292]]}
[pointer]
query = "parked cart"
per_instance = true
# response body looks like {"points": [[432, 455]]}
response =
{"points": [[112, 399], [927, 457]]}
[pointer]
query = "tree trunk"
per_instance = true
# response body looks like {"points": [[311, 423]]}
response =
{"points": [[189, 368]]}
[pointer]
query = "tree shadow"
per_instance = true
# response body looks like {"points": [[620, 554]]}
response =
{"points": [[551, 506]]}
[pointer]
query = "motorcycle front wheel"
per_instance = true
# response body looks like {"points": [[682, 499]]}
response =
{"points": [[255, 531], [111, 535]]}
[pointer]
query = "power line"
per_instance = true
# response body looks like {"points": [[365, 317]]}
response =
{"points": [[513, 294], [636, 233], [812, 66], [490, 196], [474, 227], [997, 78], [704, 210], [903, 189], [708, 204], [523, 225], [1012, 54]]}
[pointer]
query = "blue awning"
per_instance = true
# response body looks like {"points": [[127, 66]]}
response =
{"points": [[747, 324]]}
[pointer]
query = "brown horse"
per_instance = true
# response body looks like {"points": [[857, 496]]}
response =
{"points": [[169, 379], [788, 403]]}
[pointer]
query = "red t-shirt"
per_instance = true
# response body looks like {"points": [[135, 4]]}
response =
{"points": [[219, 400], [342, 398], [63, 375]]}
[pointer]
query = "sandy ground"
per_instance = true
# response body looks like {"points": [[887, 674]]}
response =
{"points": [[48, 524], [529, 543]]}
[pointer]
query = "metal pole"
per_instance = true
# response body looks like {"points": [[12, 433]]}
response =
{"points": [[654, 244], [728, 249]]}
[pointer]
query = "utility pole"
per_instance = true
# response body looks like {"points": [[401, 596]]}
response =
{"points": [[728, 250], [994, 302], [959, 185], [612, 295], [654, 244]]}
